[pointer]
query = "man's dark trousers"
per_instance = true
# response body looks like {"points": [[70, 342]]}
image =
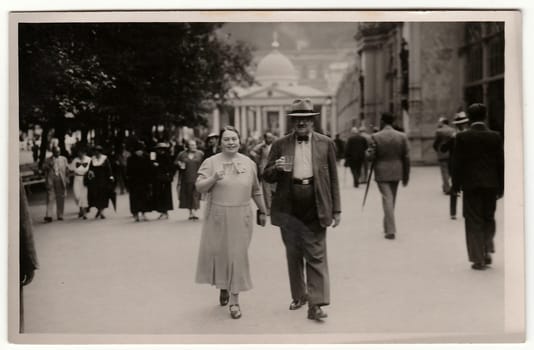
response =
{"points": [[305, 242], [479, 212]]}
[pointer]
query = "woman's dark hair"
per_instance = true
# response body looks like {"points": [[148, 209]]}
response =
{"points": [[229, 128]]}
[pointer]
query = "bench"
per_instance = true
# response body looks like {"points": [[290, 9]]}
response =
{"points": [[30, 174]]}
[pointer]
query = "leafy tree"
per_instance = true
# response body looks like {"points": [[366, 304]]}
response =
{"points": [[113, 76]]}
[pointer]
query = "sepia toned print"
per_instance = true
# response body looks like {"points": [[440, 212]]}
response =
{"points": [[159, 156]]}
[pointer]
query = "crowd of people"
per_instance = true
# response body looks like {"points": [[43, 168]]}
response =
{"points": [[292, 179]]}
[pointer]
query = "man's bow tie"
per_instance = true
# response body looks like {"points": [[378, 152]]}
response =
{"points": [[78, 164], [304, 138]]}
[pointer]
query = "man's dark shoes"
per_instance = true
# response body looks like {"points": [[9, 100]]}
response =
{"points": [[297, 304], [390, 236], [316, 313], [48, 219], [224, 296], [478, 266], [487, 260]]}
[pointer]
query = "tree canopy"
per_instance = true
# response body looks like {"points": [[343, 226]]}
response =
{"points": [[125, 75]]}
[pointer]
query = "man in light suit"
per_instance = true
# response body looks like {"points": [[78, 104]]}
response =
{"points": [[478, 171], [305, 203], [389, 149], [55, 172]]}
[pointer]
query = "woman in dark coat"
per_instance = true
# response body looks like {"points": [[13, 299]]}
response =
{"points": [[138, 181], [100, 182], [188, 164], [163, 175]]}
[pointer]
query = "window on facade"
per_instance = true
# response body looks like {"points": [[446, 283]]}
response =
{"points": [[496, 54], [474, 63], [473, 32]]}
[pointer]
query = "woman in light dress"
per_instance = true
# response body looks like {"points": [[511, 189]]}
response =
{"points": [[230, 180], [80, 166]]}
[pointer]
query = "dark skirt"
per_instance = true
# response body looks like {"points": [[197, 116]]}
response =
{"points": [[189, 196], [162, 196], [140, 198]]}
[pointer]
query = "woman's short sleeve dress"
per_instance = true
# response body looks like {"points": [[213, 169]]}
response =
{"points": [[227, 231]]}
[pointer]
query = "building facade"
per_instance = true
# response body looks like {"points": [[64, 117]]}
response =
{"points": [[420, 72], [263, 107]]}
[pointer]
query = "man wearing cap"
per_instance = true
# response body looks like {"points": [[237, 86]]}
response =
{"points": [[443, 135], [305, 203], [461, 123], [390, 153], [478, 171]]}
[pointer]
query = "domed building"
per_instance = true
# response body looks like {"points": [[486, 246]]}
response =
{"points": [[263, 106]]}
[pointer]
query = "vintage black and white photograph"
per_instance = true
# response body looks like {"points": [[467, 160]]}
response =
{"points": [[238, 177]]}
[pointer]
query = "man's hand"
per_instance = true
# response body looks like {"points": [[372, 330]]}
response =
{"points": [[27, 277], [262, 219], [337, 219], [279, 163]]}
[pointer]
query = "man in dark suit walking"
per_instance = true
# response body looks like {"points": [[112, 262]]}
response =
{"points": [[306, 202], [478, 171], [355, 154], [389, 149]]}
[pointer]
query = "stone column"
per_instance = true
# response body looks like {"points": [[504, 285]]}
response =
{"points": [[237, 122], [259, 120], [282, 121], [324, 119], [333, 120], [216, 122], [244, 124]]}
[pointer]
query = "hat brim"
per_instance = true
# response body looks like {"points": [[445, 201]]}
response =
{"points": [[303, 114], [461, 121]]}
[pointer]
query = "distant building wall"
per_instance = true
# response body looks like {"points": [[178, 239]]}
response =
{"points": [[348, 102]]}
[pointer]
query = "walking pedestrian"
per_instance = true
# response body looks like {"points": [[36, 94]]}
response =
{"points": [[365, 163], [260, 153], [80, 166], [163, 175], [211, 145], [231, 181], [390, 153], [478, 171], [461, 123], [340, 147], [189, 162], [443, 135], [27, 255], [55, 173], [302, 164], [100, 182], [355, 154], [138, 177]]}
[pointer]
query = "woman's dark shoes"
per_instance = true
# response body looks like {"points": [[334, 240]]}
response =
{"points": [[102, 216], [224, 296], [98, 213], [136, 216], [235, 311], [48, 219], [297, 304], [316, 313], [478, 266]]}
